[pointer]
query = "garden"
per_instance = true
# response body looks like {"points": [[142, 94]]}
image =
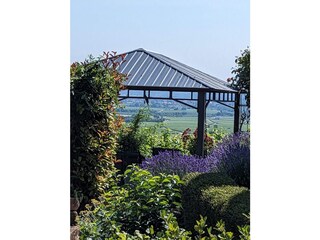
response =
{"points": [[145, 182]]}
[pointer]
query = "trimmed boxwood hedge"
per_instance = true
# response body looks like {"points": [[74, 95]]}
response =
{"points": [[216, 196]]}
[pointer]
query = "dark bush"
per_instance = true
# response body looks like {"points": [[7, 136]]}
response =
{"points": [[197, 181], [214, 195]]}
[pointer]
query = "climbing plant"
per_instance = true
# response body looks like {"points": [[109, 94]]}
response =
{"points": [[94, 88]]}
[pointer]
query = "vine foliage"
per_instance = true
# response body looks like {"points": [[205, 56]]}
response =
{"points": [[94, 89]]}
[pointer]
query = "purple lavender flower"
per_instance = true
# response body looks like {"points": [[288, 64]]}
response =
{"points": [[172, 162], [232, 156]]}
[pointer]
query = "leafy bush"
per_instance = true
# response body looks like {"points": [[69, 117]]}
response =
{"points": [[94, 92], [129, 139], [212, 137], [232, 155], [215, 196], [159, 136], [195, 183], [173, 162], [171, 230], [136, 205], [190, 141], [228, 203], [133, 137]]}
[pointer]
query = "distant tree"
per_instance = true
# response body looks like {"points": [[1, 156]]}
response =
{"points": [[241, 81]]}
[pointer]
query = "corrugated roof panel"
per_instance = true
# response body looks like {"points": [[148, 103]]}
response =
{"points": [[135, 64], [194, 73], [161, 75], [130, 60], [154, 82], [181, 81], [168, 77], [178, 75], [147, 68], [189, 83], [140, 64], [135, 69], [147, 72], [142, 70], [156, 71]]}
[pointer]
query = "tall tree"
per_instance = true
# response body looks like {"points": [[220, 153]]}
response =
{"points": [[241, 81]]}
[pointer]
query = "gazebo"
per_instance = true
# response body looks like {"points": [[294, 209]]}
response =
{"points": [[149, 72]]}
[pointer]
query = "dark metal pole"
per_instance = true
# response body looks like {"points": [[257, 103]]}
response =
{"points": [[236, 113], [201, 122]]}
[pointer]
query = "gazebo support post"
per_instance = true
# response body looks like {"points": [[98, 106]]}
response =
{"points": [[236, 113], [201, 122]]}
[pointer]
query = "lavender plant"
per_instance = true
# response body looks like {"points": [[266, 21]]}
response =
{"points": [[173, 162], [232, 156]]}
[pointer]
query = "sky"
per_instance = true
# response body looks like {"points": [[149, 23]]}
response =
{"points": [[204, 34]]}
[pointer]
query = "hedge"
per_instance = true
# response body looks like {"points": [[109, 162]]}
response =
{"points": [[216, 196]]}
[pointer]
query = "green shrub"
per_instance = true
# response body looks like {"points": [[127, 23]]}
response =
{"points": [[171, 230], [129, 139], [198, 181], [211, 138], [136, 205], [94, 92], [159, 136], [214, 195], [228, 203], [195, 183], [134, 137]]}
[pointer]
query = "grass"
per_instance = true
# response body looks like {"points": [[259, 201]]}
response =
{"points": [[179, 124]]}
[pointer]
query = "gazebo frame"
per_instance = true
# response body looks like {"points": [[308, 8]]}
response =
{"points": [[207, 88]]}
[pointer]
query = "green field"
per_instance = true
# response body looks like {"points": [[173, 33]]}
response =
{"points": [[179, 124], [179, 118]]}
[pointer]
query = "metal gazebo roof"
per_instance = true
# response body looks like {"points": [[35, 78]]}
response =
{"points": [[149, 70]]}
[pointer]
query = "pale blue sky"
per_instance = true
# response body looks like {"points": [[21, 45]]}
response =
{"points": [[204, 34]]}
